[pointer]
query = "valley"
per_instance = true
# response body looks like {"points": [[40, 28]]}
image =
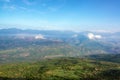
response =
{"points": [[44, 55]]}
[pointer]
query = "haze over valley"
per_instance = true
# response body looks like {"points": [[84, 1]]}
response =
{"points": [[59, 40]]}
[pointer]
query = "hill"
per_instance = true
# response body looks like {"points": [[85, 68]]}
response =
{"points": [[106, 57], [61, 69]]}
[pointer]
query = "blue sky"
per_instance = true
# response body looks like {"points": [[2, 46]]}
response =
{"points": [[77, 15]]}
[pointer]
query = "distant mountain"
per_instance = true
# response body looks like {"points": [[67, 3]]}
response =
{"points": [[57, 33], [59, 55], [20, 45], [10, 31], [30, 31]]}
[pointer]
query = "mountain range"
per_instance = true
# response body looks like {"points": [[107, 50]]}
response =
{"points": [[20, 45], [59, 55]]}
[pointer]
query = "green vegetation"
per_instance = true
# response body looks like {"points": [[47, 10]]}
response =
{"points": [[58, 58], [38, 52], [61, 69], [17, 50], [106, 57]]}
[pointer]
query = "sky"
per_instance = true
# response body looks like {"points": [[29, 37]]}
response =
{"points": [[77, 15]]}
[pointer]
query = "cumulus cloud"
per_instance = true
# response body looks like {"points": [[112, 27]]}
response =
{"points": [[90, 35], [40, 36], [93, 36], [98, 36]]}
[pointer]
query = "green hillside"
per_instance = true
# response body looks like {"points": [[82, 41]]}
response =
{"points": [[106, 57], [61, 69]]}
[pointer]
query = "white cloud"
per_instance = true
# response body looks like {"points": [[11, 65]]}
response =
{"points": [[90, 35], [98, 36], [40, 36], [93, 36]]}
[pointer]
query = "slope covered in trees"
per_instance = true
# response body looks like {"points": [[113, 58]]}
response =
{"points": [[61, 69]]}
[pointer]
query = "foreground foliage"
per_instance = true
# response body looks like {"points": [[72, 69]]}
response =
{"points": [[61, 69]]}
